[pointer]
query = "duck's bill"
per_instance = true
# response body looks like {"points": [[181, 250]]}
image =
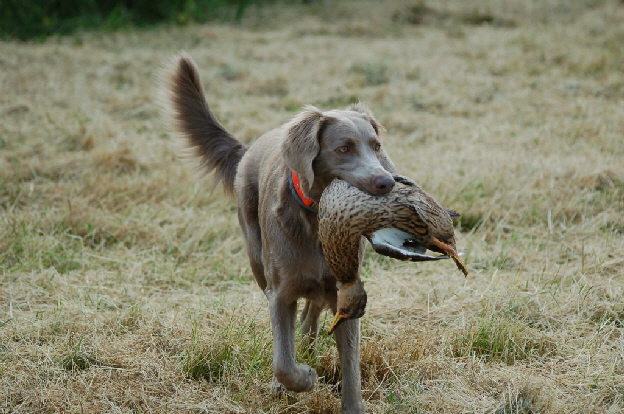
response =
{"points": [[338, 319], [400, 245]]}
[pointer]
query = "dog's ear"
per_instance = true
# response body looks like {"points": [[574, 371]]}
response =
{"points": [[363, 109], [302, 145]]}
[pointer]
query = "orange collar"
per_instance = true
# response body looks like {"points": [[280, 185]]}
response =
{"points": [[295, 187]]}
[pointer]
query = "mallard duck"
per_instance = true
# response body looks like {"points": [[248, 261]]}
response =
{"points": [[402, 224]]}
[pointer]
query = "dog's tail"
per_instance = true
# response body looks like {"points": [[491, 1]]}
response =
{"points": [[191, 117]]}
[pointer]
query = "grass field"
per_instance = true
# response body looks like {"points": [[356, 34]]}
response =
{"points": [[124, 286]]}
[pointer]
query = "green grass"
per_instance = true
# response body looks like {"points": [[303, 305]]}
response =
{"points": [[505, 340], [240, 346], [79, 359]]}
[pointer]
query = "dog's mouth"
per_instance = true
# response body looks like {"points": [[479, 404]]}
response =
{"points": [[400, 245]]}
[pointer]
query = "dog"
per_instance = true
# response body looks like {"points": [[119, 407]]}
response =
{"points": [[277, 180]]}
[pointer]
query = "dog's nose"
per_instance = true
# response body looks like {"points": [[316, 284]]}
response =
{"points": [[383, 184]]}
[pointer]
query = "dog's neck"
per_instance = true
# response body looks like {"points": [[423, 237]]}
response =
{"points": [[295, 188]]}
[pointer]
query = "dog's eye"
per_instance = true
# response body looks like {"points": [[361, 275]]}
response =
{"points": [[343, 150], [377, 146]]}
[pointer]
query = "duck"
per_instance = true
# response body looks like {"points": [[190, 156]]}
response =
{"points": [[402, 224]]}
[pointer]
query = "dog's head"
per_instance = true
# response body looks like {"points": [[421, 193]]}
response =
{"points": [[345, 144]]}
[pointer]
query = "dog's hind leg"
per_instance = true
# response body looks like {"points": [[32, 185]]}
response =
{"points": [[253, 241], [293, 376], [310, 322], [348, 341]]}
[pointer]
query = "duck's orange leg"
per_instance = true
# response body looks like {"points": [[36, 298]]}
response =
{"points": [[451, 252]]}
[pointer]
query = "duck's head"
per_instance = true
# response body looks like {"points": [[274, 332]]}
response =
{"points": [[351, 303]]}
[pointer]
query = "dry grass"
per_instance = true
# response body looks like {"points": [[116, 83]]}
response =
{"points": [[124, 284]]}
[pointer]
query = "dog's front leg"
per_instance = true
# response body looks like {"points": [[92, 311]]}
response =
{"points": [[293, 376], [348, 342]]}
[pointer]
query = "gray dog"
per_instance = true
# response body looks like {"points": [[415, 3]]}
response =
{"points": [[277, 182]]}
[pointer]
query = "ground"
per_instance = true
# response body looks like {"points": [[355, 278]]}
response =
{"points": [[124, 286]]}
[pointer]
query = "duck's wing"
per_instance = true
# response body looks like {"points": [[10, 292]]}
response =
{"points": [[400, 245]]}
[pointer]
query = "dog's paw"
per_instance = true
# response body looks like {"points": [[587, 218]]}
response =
{"points": [[299, 379], [309, 377]]}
